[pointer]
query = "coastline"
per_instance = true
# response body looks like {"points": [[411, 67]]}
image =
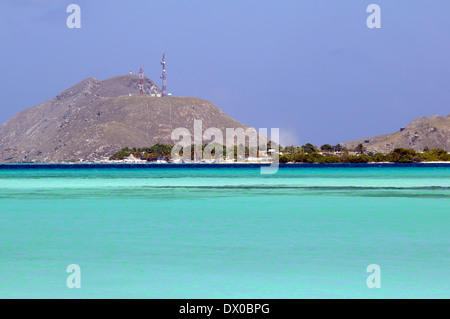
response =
{"points": [[224, 163]]}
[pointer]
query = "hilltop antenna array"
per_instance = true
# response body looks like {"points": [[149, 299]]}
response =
{"points": [[141, 80], [163, 76]]}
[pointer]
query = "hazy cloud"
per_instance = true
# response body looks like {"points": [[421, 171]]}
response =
{"points": [[288, 137]]}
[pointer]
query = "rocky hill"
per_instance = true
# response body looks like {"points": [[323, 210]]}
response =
{"points": [[429, 131], [94, 119]]}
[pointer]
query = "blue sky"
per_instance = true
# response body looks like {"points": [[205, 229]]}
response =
{"points": [[311, 68]]}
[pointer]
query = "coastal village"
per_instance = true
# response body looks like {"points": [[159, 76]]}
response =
{"points": [[261, 158], [308, 153]]}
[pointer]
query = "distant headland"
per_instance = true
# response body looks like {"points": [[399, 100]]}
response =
{"points": [[128, 118]]}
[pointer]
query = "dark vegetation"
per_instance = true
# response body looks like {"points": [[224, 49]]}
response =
{"points": [[153, 153], [308, 153], [338, 154], [163, 151]]}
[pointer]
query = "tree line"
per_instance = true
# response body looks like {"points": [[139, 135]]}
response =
{"points": [[164, 151], [307, 153]]}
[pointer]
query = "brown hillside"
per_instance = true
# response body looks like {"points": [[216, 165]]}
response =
{"points": [[94, 119], [429, 131]]}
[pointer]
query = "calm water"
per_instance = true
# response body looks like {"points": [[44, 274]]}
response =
{"points": [[224, 231]]}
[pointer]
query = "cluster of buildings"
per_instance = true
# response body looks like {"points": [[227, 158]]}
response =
{"points": [[264, 157]]}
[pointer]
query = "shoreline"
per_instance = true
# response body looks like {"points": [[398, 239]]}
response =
{"points": [[219, 163]]}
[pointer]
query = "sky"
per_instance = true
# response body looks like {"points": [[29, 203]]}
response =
{"points": [[313, 69]]}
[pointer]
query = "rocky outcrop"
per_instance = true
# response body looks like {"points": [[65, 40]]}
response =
{"points": [[429, 131]]}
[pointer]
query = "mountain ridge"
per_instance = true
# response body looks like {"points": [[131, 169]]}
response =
{"points": [[95, 118], [426, 131]]}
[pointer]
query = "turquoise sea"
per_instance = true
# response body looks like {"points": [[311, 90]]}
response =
{"points": [[224, 231]]}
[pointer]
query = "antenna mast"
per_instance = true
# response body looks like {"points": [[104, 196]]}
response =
{"points": [[163, 76], [141, 80]]}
